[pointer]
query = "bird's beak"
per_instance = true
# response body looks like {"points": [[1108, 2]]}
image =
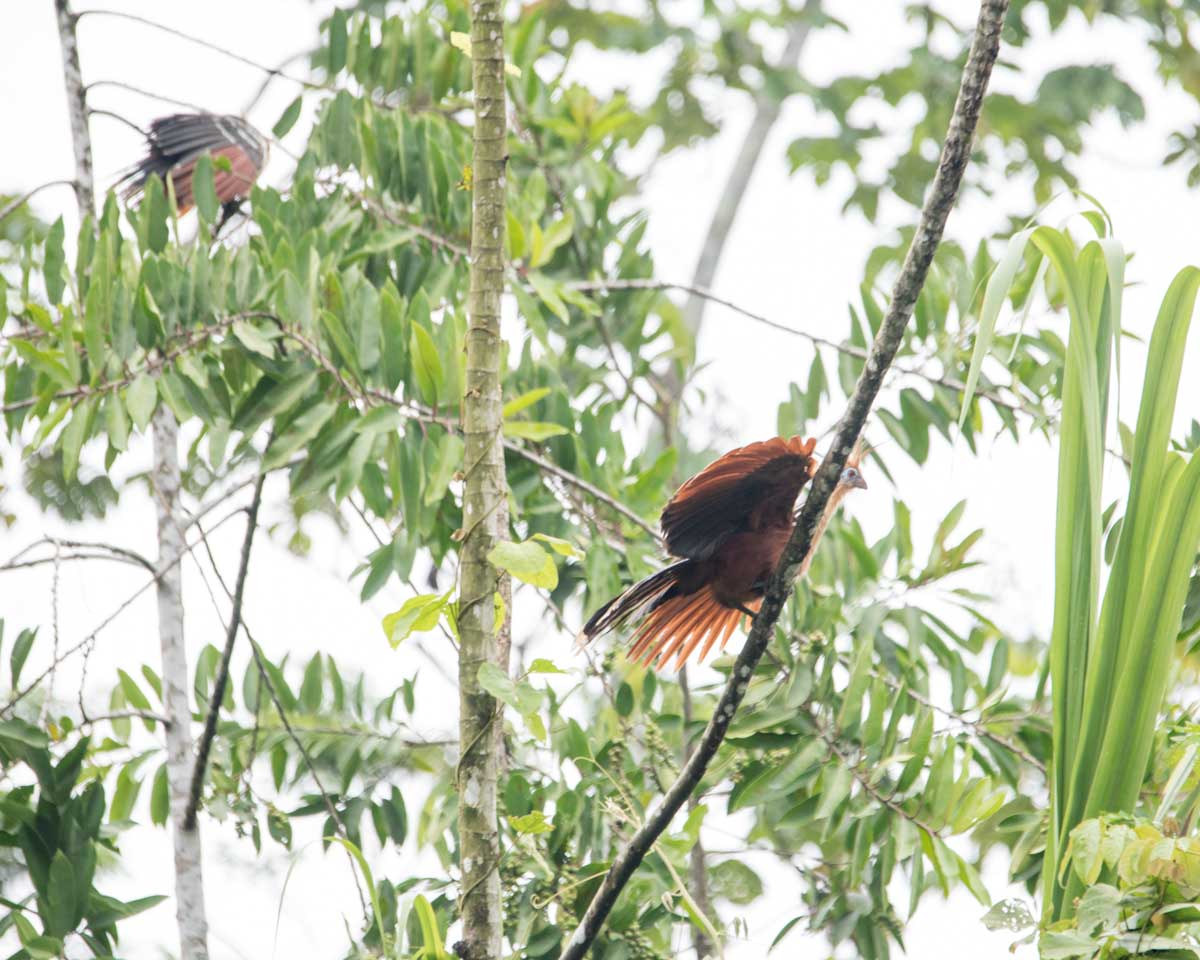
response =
{"points": [[859, 483]]}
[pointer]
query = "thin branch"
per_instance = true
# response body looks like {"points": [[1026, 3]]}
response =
{"points": [[222, 677], [15, 204], [208, 45], [21, 694], [950, 383], [939, 201], [864, 778], [549, 466], [124, 121], [149, 94]]}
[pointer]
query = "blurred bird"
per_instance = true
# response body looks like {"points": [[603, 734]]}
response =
{"points": [[729, 525], [178, 141]]}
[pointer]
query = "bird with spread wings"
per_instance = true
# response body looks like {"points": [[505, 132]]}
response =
{"points": [[728, 526]]}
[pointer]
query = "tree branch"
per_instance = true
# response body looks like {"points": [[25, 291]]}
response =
{"points": [[17, 202], [222, 677], [950, 383], [81, 139], [208, 45], [938, 203]]}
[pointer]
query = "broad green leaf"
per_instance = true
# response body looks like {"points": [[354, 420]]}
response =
{"points": [[288, 118], [141, 396], [419, 614], [532, 430], [253, 339], [517, 404], [735, 882], [54, 263], [564, 548], [526, 561], [531, 823]]}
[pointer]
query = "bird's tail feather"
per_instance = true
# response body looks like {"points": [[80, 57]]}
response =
{"points": [[633, 602], [676, 627]]}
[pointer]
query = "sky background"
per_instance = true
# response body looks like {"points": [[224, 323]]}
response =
{"points": [[792, 256]]}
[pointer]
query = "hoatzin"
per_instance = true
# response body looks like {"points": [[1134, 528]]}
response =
{"points": [[177, 142], [728, 525]]}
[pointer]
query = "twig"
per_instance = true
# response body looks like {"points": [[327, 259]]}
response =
{"points": [[549, 466], [955, 155], [222, 677], [864, 779], [208, 45], [21, 694], [15, 204], [150, 94], [950, 383]]}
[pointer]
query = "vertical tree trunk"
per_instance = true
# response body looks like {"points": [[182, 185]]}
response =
{"points": [[189, 887], [485, 513], [189, 879], [81, 138]]}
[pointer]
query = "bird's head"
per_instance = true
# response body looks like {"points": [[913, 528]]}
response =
{"points": [[852, 478]]}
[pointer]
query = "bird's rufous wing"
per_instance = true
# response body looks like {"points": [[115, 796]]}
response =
{"points": [[750, 488]]}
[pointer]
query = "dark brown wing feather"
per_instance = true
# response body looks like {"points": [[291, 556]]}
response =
{"points": [[750, 488]]}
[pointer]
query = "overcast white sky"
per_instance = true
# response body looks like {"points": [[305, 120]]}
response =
{"points": [[793, 256]]}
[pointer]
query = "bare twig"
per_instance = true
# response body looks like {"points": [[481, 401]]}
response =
{"points": [[33, 684], [207, 44], [939, 201], [222, 676], [149, 94], [17, 202], [950, 383]]}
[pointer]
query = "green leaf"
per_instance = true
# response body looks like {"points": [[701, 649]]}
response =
{"points": [[835, 787], [541, 665], [20, 651], [133, 693], [419, 614], [517, 404], [499, 684], [253, 339], [427, 364], [532, 430], [1011, 915], [288, 118], [531, 823], [13, 728], [624, 699], [736, 882], [564, 548], [141, 397], [337, 42], [54, 263], [526, 561], [1063, 944], [203, 191], [160, 802]]}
